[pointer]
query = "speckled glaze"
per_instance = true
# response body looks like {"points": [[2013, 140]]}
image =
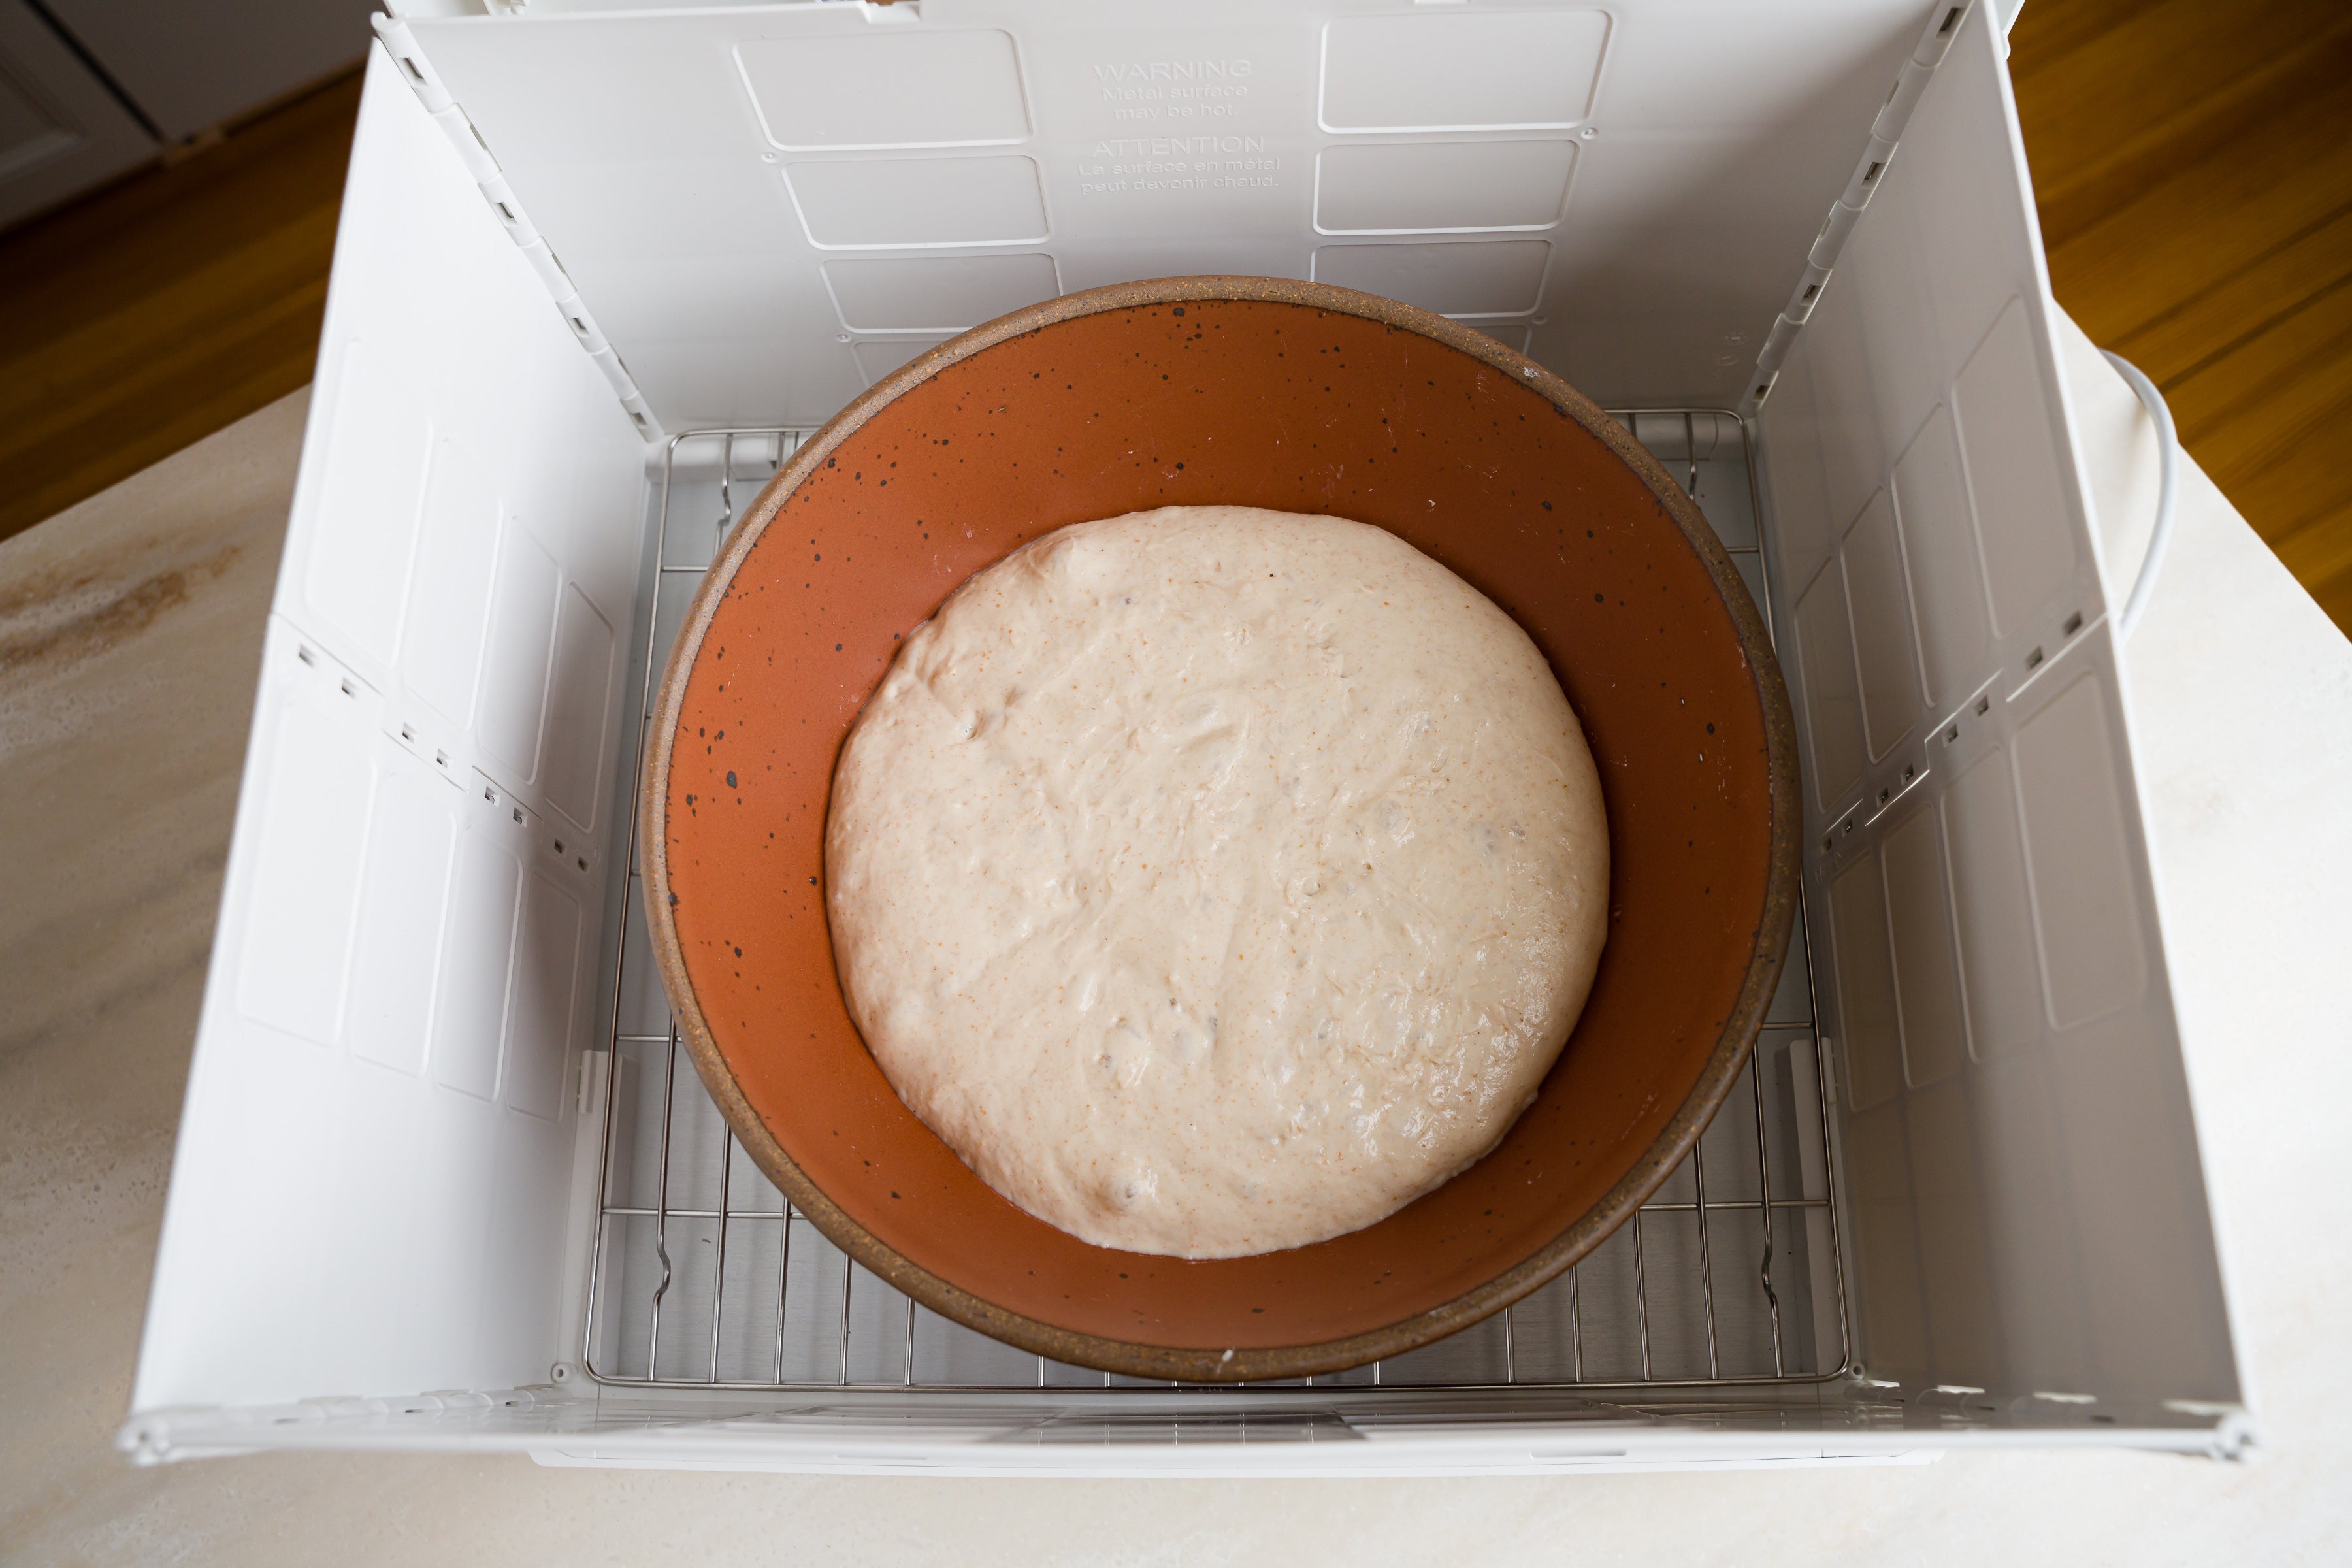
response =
{"points": [[1297, 397]]}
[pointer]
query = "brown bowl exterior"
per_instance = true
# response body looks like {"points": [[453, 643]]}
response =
{"points": [[1257, 392]]}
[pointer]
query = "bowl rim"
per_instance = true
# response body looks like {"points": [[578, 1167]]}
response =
{"points": [[1767, 952]]}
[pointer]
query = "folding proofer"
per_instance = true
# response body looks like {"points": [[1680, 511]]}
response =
{"points": [[444, 1179]]}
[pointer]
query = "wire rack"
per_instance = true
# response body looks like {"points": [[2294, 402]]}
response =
{"points": [[702, 1276]]}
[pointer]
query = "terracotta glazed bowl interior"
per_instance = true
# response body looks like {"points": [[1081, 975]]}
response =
{"points": [[1264, 393]]}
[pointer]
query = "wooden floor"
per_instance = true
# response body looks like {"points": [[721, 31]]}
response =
{"points": [[167, 306], [2193, 164], [2193, 160]]}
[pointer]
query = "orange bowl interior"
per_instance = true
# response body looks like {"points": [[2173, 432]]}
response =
{"points": [[1457, 447]]}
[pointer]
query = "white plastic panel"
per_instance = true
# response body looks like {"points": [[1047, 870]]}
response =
{"points": [[525, 585], [880, 358], [935, 295], [696, 169], [1989, 893], [317, 796], [2091, 944], [1823, 650], [1804, 529], [897, 87], [1865, 987], [1927, 975], [1892, 1320], [460, 535], [1945, 581], [919, 203], [370, 1179], [1522, 68], [1475, 277], [1440, 187], [543, 994], [407, 879], [1847, 414], [582, 673], [2029, 1205], [1956, 1261], [2023, 531], [374, 494], [1884, 654], [477, 965]]}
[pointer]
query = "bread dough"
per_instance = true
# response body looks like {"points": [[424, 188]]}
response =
{"points": [[1214, 880]]}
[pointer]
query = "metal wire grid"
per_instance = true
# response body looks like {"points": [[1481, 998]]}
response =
{"points": [[703, 1276]]}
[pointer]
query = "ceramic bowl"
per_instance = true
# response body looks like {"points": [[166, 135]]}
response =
{"points": [[1256, 391]]}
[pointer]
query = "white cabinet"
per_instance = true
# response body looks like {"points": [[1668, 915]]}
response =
{"points": [[190, 65], [61, 129], [89, 89]]}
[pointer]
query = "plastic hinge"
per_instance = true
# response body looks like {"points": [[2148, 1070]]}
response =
{"points": [[459, 1398], [550, 271], [482, 167], [1807, 293], [1943, 27], [1776, 345], [614, 371], [641, 414], [583, 325], [414, 68], [1832, 238], [471, 150], [1896, 114], [1869, 171], [503, 201], [1867, 174]]}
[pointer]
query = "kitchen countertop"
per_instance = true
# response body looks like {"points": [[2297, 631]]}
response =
{"points": [[130, 636]]}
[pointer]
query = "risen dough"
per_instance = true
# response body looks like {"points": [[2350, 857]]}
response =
{"points": [[1216, 881]]}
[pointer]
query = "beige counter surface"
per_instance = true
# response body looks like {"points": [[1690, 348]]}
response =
{"points": [[130, 635]]}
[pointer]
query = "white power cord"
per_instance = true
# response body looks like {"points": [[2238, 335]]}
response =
{"points": [[2168, 489]]}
